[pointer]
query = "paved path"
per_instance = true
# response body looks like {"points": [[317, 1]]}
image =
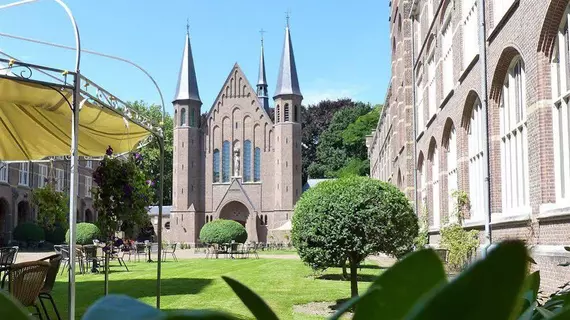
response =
{"points": [[382, 261]]}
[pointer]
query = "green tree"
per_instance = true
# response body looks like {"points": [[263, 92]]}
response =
{"points": [[354, 136], [332, 153], [52, 206], [151, 152], [316, 119], [352, 218]]}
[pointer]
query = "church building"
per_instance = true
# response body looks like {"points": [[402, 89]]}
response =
{"points": [[236, 163]]}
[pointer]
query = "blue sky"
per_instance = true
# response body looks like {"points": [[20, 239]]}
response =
{"points": [[342, 48]]}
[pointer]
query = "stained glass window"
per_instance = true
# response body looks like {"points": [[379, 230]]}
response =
{"points": [[257, 165], [216, 165], [247, 160], [226, 161]]}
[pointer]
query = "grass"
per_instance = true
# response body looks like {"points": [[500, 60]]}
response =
{"points": [[196, 284], [278, 251]]}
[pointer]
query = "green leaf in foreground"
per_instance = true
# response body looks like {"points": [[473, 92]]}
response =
{"points": [[252, 301], [401, 286], [121, 307], [489, 289], [11, 309]]}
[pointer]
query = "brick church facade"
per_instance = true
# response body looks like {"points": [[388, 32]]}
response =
{"points": [[433, 136], [238, 164]]}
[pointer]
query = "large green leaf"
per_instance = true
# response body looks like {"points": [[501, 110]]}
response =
{"points": [[349, 304], [252, 301], [12, 309], [400, 287], [489, 289], [120, 307], [562, 315]]}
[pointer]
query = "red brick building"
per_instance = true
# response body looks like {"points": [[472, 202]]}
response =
{"points": [[471, 99]]}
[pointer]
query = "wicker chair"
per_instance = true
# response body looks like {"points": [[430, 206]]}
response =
{"points": [[45, 292], [26, 280]]}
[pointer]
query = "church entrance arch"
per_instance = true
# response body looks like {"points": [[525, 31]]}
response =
{"points": [[239, 212]]}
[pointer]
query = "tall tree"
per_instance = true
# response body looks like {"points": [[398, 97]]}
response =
{"points": [[316, 119], [151, 152], [332, 154]]}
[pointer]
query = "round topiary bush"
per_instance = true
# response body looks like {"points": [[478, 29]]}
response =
{"points": [[86, 233], [349, 219], [223, 231], [28, 231], [56, 235]]}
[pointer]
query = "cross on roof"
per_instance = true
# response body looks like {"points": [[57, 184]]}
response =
{"points": [[187, 26], [287, 16], [261, 32]]}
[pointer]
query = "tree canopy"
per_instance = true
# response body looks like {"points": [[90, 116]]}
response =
{"points": [[351, 218], [151, 152], [342, 146]]}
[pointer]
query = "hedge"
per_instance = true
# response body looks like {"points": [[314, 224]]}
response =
{"points": [[85, 233], [28, 231]]}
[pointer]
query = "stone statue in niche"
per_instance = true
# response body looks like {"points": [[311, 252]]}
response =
{"points": [[236, 162]]}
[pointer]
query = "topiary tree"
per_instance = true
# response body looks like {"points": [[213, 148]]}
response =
{"points": [[28, 231], [85, 233], [223, 231], [352, 218]]}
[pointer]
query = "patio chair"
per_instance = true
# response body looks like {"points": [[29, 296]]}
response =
{"points": [[91, 258], [117, 254], [26, 281], [7, 258], [79, 257], [140, 249], [45, 292], [170, 249], [253, 250]]}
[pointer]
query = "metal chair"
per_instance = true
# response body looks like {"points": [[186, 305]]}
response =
{"points": [[26, 281], [170, 249], [7, 258], [45, 292]]}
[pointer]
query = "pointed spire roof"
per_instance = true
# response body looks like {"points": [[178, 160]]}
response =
{"points": [[187, 88], [287, 81], [262, 79]]}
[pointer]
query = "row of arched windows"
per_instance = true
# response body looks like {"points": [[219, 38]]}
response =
{"points": [[286, 113], [226, 163], [182, 120], [209, 218], [263, 219]]}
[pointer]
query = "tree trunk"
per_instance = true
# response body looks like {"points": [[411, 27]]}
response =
{"points": [[353, 276], [344, 272]]}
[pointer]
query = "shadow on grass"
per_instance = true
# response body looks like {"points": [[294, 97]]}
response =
{"points": [[371, 266], [182, 311], [339, 277]]}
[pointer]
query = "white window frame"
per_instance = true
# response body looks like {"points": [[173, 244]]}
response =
{"points": [[60, 180], [4, 172], [514, 142], [89, 164], [42, 175], [432, 93], [88, 186], [500, 7], [24, 174], [452, 184], [476, 163], [420, 117], [470, 31], [560, 73], [436, 208], [423, 184], [447, 54]]}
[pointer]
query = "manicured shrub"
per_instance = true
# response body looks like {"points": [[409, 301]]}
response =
{"points": [[28, 231], [350, 219], [223, 231], [56, 235], [86, 233]]}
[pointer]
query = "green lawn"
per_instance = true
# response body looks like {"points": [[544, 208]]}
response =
{"points": [[196, 283], [278, 251]]}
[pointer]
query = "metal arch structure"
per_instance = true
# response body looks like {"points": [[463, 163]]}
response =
{"points": [[104, 99]]}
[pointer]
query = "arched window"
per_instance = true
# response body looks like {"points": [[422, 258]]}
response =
{"points": [[452, 174], [434, 160], [277, 114], [247, 160], [514, 149], [265, 222], [423, 183], [476, 163], [216, 165], [175, 118], [286, 112], [226, 158], [561, 111], [183, 117], [192, 118], [257, 165]]}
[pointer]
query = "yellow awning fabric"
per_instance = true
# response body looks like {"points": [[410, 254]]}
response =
{"points": [[35, 122]]}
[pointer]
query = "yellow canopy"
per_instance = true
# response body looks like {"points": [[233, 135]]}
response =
{"points": [[35, 122]]}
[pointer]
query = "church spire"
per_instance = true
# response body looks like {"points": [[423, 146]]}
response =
{"points": [[262, 81], [187, 88], [287, 81]]}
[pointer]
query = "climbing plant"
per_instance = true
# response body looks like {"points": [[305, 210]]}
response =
{"points": [[422, 240], [123, 192]]}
